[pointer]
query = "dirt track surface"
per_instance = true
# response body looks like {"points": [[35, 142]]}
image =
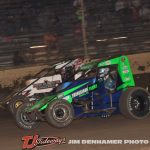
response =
{"points": [[143, 80], [116, 127]]}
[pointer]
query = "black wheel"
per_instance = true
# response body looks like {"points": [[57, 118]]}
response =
{"points": [[16, 102], [59, 113], [135, 103], [24, 120]]}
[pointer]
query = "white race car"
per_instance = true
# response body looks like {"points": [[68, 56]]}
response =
{"points": [[37, 87]]}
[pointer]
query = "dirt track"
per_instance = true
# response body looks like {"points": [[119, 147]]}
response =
{"points": [[117, 127]]}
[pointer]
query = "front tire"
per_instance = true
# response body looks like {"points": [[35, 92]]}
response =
{"points": [[23, 120], [59, 113], [135, 103]]}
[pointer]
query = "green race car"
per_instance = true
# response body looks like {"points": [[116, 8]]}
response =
{"points": [[104, 87]]}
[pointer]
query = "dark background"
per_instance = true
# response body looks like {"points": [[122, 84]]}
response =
{"points": [[57, 24]]}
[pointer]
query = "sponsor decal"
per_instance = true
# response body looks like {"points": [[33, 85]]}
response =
{"points": [[61, 95], [125, 67], [46, 84], [80, 92], [93, 87], [30, 142], [108, 62], [127, 79], [125, 71], [84, 91]]}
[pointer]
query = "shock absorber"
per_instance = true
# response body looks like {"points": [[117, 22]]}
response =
{"points": [[92, 107], [110, 96]]}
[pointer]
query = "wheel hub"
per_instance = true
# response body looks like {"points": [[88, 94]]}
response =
{"points": [[25, 117], [17, 104], [139, 105], [136, 104], [60, 113]]}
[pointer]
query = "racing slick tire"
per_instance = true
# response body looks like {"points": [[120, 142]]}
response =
{"points": [[16, 101], [23, 120], [135, 103], [59, 113]]}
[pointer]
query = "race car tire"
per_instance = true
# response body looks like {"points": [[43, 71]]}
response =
{"points": [[135, 103], [59, 113], [16, 101], [22, 119]]}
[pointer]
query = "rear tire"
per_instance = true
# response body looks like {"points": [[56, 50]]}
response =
{"points": [[16, 101], [59, 113], [23, 120], [135, 103]]}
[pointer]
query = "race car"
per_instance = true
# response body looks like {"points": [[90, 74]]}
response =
{"points": [[105, 87], [43, 82]]}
